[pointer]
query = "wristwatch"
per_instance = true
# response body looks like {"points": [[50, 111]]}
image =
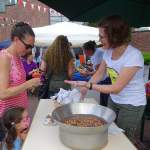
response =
{"points": [[89, 85]]}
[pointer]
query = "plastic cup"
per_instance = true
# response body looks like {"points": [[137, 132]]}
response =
{"points": [[82, 59]]}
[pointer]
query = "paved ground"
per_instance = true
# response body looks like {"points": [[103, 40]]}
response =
{"points": [[92, 94]]}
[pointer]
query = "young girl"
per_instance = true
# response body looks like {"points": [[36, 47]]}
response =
{"points": [[16, 121]]}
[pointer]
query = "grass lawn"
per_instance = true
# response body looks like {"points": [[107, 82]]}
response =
{"points": [[146, 58]]}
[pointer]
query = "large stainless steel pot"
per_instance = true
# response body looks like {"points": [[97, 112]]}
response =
{"points": [[83, 138]]}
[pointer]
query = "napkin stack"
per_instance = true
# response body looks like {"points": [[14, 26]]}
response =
{"points": [[67, 96]]}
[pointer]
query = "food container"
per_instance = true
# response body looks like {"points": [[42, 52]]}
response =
{"points": [[83, 138]]}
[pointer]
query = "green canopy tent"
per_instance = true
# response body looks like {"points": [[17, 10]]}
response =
{"points": [[136, 12]]}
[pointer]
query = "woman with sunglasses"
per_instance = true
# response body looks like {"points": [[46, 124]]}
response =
{"points": [[13, 84]]}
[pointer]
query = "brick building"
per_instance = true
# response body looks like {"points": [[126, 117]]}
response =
{"points": [[141, 40], [35, 13]]}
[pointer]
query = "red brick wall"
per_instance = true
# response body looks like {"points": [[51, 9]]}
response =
{"points": [[141, 40], [35, 17]]}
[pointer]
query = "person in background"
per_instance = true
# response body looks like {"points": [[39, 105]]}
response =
{"points": [[84, 69], [96, 56], [13, 84], [127, 91], [93, 54], [93, 58], [58, 63], [16, 122], [29, 65]]}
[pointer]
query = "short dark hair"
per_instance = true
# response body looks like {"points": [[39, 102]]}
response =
{"points": [[117, 30], [21, 29], [89, 45]]}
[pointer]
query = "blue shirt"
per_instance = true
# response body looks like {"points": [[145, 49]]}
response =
{"points": [[17, 145]]}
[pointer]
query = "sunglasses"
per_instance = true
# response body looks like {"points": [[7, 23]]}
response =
{"points": [[27, 46]]}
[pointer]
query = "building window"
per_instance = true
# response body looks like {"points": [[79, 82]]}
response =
{"points": [[56, 17]]}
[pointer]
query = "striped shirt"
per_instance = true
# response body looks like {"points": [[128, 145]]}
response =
{"points": [[17, 76]]}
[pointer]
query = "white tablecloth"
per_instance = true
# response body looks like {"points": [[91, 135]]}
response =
{"points": [[42, 137]]}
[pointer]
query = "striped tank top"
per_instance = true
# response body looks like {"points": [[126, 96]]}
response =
{"points": [[17, 76]]}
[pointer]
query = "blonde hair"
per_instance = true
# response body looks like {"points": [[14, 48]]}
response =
{"points": [[58, 54]]}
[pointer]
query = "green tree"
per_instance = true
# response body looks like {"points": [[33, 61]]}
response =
{"points": [[92, 24]]}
